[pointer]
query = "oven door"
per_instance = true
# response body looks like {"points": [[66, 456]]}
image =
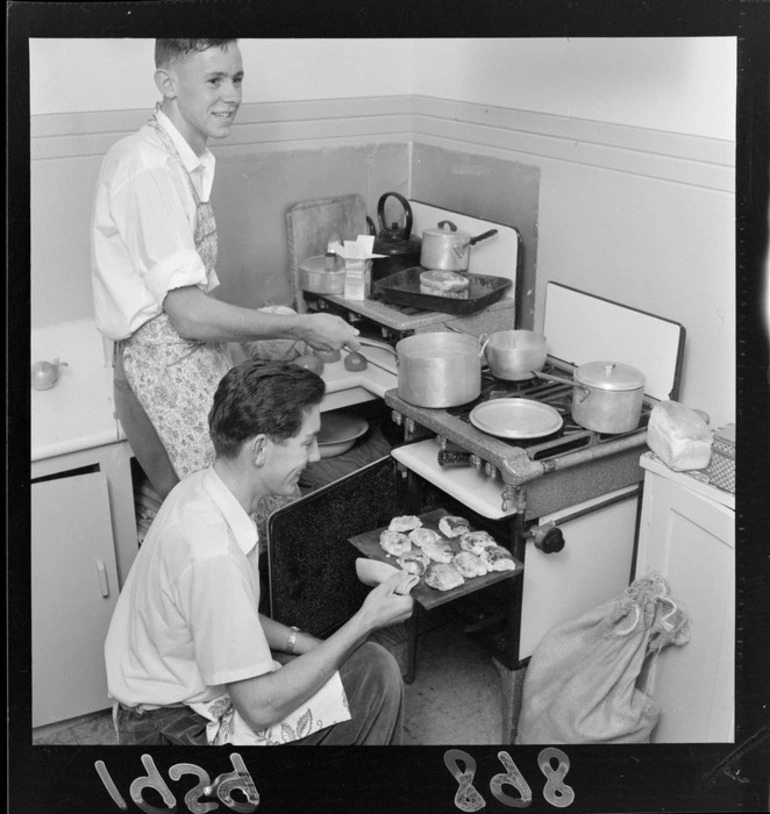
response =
{"points": [[311, 565], [594, 566]]}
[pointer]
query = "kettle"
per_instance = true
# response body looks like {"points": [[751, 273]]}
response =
{"points": [[402, 250]]}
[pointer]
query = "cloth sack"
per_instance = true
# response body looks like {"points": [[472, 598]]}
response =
{"points": [[582, 682]]}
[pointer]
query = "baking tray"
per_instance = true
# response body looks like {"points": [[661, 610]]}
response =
{"points": [[369, 545], [403, 288]]}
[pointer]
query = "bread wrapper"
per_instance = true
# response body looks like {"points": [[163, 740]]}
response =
{"points": [[679, 436]]}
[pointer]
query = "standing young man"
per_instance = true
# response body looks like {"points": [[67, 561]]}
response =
{"points": [[189, 657], [154, 249]]}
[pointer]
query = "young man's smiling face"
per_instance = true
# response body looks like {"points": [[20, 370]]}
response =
{"points": [[202, 91], [287, 459]]}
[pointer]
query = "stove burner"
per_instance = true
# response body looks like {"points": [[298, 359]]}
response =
{"points": [[570, 437]]}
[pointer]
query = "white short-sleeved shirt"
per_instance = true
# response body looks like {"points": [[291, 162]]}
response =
{"points": [[186, 622], [143, 224]]}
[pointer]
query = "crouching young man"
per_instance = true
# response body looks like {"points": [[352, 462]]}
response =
{"points": [[189, 657]]}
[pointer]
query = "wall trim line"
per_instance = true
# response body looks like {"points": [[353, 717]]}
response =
{"points": [[677, 157]]}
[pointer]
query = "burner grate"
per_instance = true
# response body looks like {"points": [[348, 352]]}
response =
{"points": [[569, 438]]}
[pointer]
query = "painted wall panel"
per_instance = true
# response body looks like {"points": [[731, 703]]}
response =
{"points": [[676, 84], [254, 192], [490, 188]]}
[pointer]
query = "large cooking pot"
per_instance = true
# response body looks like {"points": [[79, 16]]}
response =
{"points": [[402, 249], [606, 397], [447, 248], [439, 369], [514, 355]]}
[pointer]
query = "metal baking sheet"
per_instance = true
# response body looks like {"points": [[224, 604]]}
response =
{"points": [[403, 288], [369, 545]]}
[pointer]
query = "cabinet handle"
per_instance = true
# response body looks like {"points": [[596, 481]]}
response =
{"points": [[103, 584]]}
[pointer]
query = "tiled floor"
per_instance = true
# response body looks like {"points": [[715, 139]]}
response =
{"points": [[454, 699]]}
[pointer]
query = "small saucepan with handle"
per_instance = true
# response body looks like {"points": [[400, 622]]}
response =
{"points": [[514, 355], [607, 397], [447, 248]]}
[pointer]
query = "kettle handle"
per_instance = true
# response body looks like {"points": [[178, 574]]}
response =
{"points": [[370, 226], [407, 212]]}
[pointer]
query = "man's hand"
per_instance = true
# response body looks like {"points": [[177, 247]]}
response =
{"points": [[389, 603], [327, 332]]}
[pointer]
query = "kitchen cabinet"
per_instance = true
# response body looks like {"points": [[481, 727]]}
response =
{"points": [[74, 591], [687, 534]]}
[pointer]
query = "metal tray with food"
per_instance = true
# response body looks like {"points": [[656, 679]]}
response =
{"points": [[403, 288], [370, 545]]}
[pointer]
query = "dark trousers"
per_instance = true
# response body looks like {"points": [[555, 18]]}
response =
{"points": [[375, 692]]}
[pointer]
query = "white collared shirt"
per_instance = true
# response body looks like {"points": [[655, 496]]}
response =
{"points": [[143, 224], [186, 621]]}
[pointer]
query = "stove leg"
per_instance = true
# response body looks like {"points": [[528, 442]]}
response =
{"points": [[511, 684], [411, 645]]}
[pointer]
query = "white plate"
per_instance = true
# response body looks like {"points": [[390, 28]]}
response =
{"points": [[516, 418], [373, 572]]}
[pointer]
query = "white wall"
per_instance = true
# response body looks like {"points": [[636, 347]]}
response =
{"points": [[63, 79], [681, 85]]}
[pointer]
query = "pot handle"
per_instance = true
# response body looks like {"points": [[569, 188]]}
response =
{"points": [[548, 377], [482, 236], [461, 248], [447, 223], [483, 342], [374, 343], [394, 232]]}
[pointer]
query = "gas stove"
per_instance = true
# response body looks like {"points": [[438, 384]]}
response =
{"points": [[570, 436]]}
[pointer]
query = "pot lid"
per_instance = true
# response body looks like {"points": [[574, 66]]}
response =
{"points": [[609, 376], [516, 418], [446, 228]]}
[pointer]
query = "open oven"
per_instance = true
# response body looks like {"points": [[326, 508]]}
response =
{"points": [[566, 506]]}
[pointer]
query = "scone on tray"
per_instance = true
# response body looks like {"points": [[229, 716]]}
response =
{"points": [[445, 284]]}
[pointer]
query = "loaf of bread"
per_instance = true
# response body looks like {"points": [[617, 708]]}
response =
{"points": [[679, 436], [444, 284]]}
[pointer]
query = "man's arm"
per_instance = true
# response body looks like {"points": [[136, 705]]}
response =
{"points": [[277, 636], [197, 316], [267, 699]]}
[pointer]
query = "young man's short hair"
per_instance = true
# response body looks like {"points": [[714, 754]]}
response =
{"points": [[257, 397], [167, 51]]}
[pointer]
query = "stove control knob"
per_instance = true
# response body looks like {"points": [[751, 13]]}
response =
{"points": [[489, 470], [548, 538], [397, 418], [478, 463]]}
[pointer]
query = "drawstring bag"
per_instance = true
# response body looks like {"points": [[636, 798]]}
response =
{"points": [[582, 682]]}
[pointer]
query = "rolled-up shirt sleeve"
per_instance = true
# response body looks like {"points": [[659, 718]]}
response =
{"points": [[222, 612], [151, 216]]}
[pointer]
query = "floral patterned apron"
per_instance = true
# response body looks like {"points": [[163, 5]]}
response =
{"points": [[175, 378]]}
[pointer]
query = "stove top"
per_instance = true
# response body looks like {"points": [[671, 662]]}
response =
{"points": [[518, 461], [569, 437]]}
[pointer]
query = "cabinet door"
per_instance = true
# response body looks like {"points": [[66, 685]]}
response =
{"points": [[74, 591], [690, 540]]}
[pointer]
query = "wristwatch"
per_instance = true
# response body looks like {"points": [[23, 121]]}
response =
{"points": [[292, 639]]}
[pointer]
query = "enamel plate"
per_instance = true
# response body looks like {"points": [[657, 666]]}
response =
{"points": [[515, 418]]}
